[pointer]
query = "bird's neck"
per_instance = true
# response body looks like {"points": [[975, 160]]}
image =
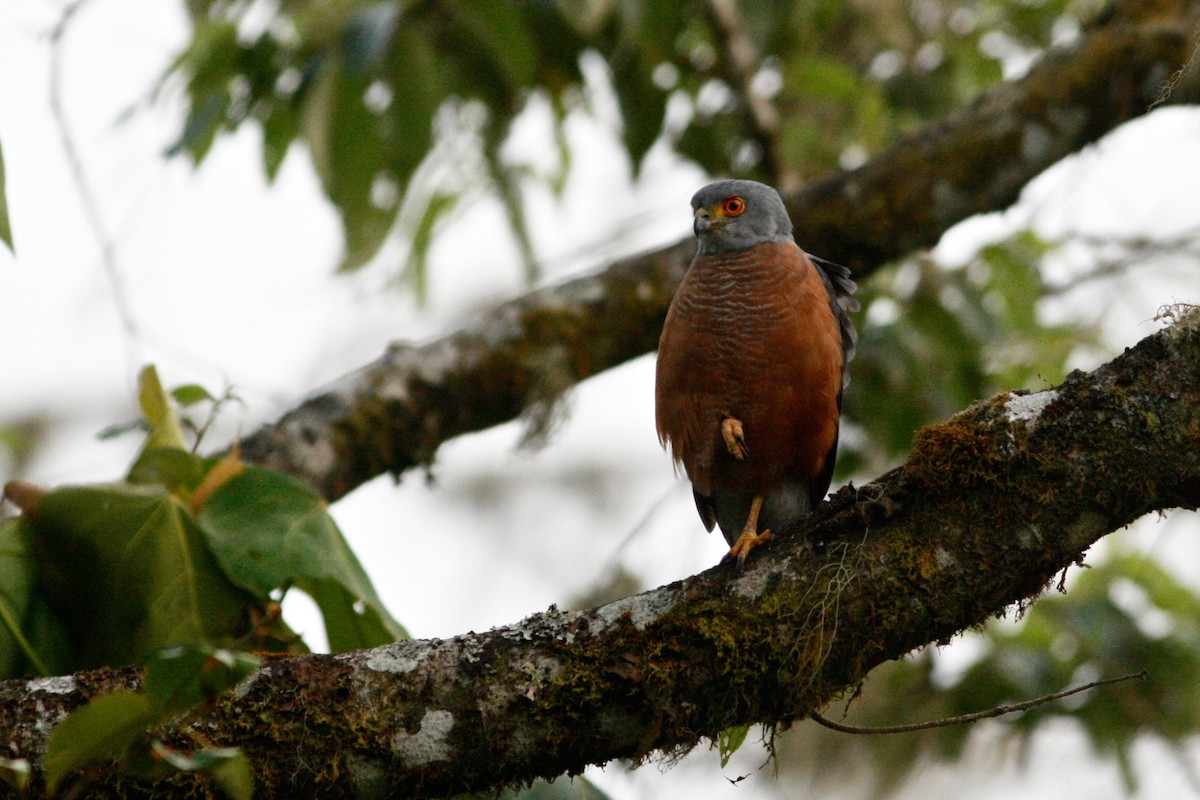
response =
{"points": [[714, 243]]}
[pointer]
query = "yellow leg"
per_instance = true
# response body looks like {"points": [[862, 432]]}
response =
{"points": [[750, 537], [735, 438]]}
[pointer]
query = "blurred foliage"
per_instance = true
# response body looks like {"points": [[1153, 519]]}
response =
{"points": [[932, 341], [126, 570], [20, 439], [175, 681], [185, 557], [406, 107], [185, 550], [1123, 616], [32, 639], [5, 227]]}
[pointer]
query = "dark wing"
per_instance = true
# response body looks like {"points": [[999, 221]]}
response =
{"points": [[841, 298], [707, 506], [841, 291]]}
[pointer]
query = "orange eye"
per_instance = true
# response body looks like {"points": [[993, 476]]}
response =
{"points": [[732, 206]]}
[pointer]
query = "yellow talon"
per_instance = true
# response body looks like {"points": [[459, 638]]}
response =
{"points": [[735, 438], [750, 538]]}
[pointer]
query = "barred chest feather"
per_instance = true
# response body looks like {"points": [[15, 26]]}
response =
{"points": [[752, 335]]}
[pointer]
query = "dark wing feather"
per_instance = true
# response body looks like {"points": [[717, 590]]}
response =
{"points": [[841, 299], [841, 289], [707, 506]]}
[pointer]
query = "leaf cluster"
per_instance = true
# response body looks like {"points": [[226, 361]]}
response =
{"points": [[1120, 617], [184, 550], [406, 107], [934, 340], [176, 680]]}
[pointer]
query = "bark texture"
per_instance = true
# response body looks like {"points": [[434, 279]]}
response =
{"points": [[394, 413], [992, 504]]}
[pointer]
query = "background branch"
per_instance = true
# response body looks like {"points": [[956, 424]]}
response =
{"points": [[739, 62], [991, 506], [394, 413], [980, 158]]}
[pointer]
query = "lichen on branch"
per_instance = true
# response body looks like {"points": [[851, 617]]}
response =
{"points": [[991, 506]]}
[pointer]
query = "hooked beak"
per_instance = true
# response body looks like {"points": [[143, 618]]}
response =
{"points": [[702, 220]]}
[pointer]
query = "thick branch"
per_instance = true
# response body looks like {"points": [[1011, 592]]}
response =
{"points": [[978, 159], [992, 504], [393, 414]]}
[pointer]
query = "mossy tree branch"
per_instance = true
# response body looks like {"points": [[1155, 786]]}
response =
{"points": [[992, 504], [394, 413]]}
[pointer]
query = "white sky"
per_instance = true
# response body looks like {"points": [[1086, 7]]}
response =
{"points": [[230, 281]]}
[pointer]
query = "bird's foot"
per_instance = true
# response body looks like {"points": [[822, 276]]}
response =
{"points": [[735, 438], [744, 544]]}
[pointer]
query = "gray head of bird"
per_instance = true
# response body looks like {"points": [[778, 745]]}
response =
{"points": [[737, 214]]}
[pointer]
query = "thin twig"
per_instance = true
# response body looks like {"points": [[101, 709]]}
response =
{"points": [[963, 719], [1137, 251], [91, 208], [1164, 92]]}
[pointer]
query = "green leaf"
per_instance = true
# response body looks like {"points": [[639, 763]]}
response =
{"points": [[118, 429], [656, 27], [643, 105], [48, 637], [128, 571], [227, 766], [347, 146], [497, 29], [5, 227], [440, 205], [280, 125], [177, 471], [16, 772], [824, 77], [32, 638], [213, 60], [729, 740], [230, 770], [158, 412], [202, 125], [349, 623], [102, 729], [18, 580], [366, 154], [116, 725], [415, 73], [269, 531], [560, 44], [180, 678], [505, 183], [191, 393]]}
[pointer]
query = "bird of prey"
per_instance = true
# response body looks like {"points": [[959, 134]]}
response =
{"points": [[751, 366]]}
